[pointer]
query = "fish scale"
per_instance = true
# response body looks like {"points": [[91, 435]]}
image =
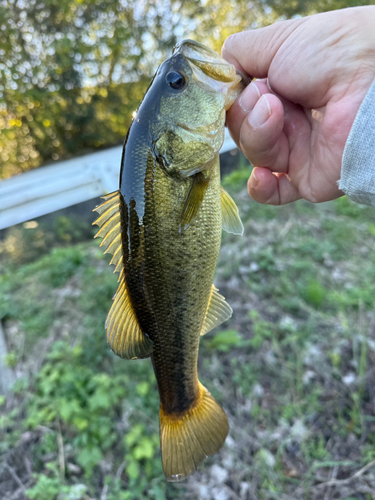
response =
{"points": [[180, 256], [163, 227]]}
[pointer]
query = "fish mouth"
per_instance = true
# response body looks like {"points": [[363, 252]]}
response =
{"points": [[213, 70]]}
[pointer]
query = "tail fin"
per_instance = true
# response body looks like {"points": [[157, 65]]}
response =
{"points": [[187, 439]]}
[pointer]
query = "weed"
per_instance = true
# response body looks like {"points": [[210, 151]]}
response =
{"points": [[292, 368]]}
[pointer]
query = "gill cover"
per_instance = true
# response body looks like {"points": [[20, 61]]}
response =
{"points": [[193, 89]]}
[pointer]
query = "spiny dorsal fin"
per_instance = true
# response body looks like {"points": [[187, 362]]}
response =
{"points": [[231, 218], [124, 334], [193, 201], [218, 311], [109, 222]]}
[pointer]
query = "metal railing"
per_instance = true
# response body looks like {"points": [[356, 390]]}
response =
{"points": [[66, 183]]}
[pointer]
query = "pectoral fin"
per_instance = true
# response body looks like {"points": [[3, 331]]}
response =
{"points": [[231, 218], [124, 334], [218, 311], [193, 201], [109, 222]]}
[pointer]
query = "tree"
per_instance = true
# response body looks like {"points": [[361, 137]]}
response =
{"points": [[73, 71]]}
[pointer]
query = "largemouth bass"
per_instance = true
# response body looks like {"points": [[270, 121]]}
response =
{"points": [[163, 227]]}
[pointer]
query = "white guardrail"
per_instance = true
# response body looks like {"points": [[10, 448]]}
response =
{"points": [[66, 183]]}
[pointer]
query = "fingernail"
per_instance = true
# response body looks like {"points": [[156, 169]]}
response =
{"points": [[249, 97], [254, 181], [260, 113]]}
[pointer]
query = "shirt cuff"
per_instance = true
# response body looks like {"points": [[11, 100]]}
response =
{"points": [[358, 161]]}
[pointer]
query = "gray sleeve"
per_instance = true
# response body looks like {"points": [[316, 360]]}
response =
{"points": [[358, 161]]}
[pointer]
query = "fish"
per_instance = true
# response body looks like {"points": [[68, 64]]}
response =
{"points": [[163, 228]]}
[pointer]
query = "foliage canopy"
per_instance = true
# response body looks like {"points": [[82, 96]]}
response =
{"points": [[73, 71]]}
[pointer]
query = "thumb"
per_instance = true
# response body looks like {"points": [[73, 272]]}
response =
{"points": [[252, 51]]}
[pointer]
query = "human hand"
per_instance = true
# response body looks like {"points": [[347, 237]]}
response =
{"points": [[292, 123]]}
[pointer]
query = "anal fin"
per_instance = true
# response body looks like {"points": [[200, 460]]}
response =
{"points": [[231, 218], [218, 311], [124, 335]]}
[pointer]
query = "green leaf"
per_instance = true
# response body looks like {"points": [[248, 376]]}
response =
{"points": [[143, 388], [224, 340], [315, 293], [145, 449], [134, 434], [100, 400], [88, 458], [133, 470]]}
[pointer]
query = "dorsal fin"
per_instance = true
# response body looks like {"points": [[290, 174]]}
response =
{"points": [[218, 311], [109, 222], [124, 334], [231, 218]]}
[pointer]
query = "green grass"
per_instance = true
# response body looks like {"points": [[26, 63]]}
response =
{"points": [[293, 368]]}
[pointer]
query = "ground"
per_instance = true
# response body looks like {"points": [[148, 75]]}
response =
{"points": [[293, 368]]}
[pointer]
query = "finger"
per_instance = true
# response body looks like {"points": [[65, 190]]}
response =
{"points": [[242, 106], [259, 133], [272, 189], [296, 123], [262, 139], [298, 132], [253, 51]]}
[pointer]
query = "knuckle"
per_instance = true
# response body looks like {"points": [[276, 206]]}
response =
{"points": [[227, 47], [260, 155]]}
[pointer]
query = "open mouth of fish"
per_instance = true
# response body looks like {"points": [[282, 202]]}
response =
{"points": [[210, 68]]}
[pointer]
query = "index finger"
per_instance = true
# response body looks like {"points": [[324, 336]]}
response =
{"points": [[253, 51]]}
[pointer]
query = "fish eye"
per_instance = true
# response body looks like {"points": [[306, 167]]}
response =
{"points": [[176, 80]]}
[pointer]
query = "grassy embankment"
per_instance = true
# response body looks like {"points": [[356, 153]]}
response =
{"points": [[293, 368]]}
